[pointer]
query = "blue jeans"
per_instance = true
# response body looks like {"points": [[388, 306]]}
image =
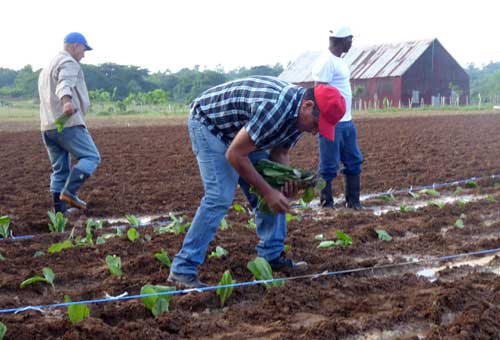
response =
{"points": [[220, 181], [343, 149], [73, 142]]}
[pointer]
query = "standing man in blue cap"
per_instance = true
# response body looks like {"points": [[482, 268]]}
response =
{"points": [[64, 100], [331, 69]]}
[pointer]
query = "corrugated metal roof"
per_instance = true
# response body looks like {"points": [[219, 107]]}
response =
{"points": [[377, 61]]}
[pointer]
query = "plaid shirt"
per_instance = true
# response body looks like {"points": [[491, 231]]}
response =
{"points": [[267, 107]]}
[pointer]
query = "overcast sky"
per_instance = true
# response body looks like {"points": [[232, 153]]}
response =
{"points": [[161, 35]]}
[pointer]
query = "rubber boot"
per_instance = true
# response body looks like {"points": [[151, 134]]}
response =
{"points": [[352, 188], [59, 206], [326, 196], [73, 183]]}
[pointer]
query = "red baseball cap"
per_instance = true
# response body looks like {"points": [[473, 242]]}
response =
{"points": [[331, 106]]}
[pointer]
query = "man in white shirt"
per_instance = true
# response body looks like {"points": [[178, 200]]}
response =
{"points": [[331, 69], [64, 100]]}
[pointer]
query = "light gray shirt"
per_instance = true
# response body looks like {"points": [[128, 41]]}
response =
{"points": [[63, 77]]}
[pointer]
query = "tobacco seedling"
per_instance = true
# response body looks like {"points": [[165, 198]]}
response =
{"points": [[4, 226], [39, 253], [343, 240], [460, 222], [157, 304], [3, 330], [133, 221], [239, 208], [57, 247], [405, 208], [177, 226], [439, 205], [114, 264], [48, 277], [133, 234], [414, 195], [388, 197], [458, 190], [251, 224], [319, 237], [163, 258], [58, 224], [290, 218], [472, 184], [76, 313], [218, 252], [225, 292], [287, 247], [383, 235], [490, 199], [261, 270], [429, 192], [224, 225], [59, 123], [2, 258]]}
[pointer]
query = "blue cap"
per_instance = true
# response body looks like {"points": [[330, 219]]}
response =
{"points": [[77, 38]]}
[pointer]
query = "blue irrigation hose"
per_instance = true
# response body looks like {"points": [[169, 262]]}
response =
{"points": [[40, 308]]}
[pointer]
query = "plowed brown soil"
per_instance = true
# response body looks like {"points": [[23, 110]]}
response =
{"points": [[152, 171]]}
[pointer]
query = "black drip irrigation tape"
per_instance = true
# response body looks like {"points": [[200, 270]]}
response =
{"points": [[124, 296]]}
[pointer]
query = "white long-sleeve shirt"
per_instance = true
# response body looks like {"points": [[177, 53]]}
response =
{"points": [[62, 77]]}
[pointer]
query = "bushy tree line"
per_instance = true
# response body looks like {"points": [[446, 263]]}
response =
{"points": [[132, 84], [485, 82]]}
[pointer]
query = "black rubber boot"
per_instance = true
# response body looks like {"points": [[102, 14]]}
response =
{"points": [[352, 188], [73, 183], [59, 206], [326, 196]]}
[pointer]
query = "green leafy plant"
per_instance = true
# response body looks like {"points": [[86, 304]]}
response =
{"points": [[39, 253], [218, 252], [48, 277], [224, 225], [57, 247], [458, 190], [490, 199], [76, 313], [436, 204], [133, 234], [405, 208], [472, 184], [388, 197], [290, 218], [303, 204], [343, 240], [3, 330], [104, 237], [58, 222], [4, 226], [261, 270], [225, 292], [414, 195], [60, 121], [251, 224], [114, 264], [177, 226], [459, 223], [162, 256], [91, 225], [277, 175], [383, 235], [156, 304], [133, 221], [2, 258], [429, 192], [287, 247], [239, 208]]}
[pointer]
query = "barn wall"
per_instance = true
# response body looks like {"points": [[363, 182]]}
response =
{"points": [[431, 75]]}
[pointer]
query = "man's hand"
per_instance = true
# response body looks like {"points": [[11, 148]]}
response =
{"points": [[277, 202], [68, 109], [290, 189]]}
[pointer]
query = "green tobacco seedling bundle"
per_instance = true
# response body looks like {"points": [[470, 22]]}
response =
{"points": [[277, 175]]}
